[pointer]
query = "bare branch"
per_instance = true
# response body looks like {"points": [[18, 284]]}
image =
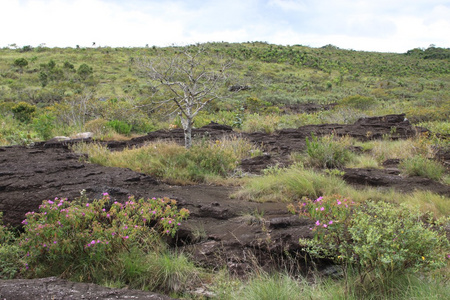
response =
{"points": [[191, 79]]}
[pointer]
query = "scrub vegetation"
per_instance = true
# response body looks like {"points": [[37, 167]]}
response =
{"points": [[387, 244]]}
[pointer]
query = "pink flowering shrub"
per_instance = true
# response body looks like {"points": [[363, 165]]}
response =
{"points": [[375, 237], [332, 218], [69, 233]]}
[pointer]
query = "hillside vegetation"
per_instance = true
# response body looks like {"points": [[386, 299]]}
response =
{"points": [[52, 91]]}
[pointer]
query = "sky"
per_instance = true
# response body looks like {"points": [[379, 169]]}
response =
{"points": [[367, 25]]}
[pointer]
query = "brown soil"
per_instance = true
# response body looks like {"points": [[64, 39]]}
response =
{"points": [[221, 231]]}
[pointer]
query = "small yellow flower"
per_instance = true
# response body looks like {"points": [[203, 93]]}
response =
{"points": [[423, 258]]}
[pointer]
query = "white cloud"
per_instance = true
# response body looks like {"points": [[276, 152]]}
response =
{"points": [[382, 25], [289, 5]]}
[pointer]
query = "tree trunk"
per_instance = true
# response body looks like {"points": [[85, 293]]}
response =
{"points": [[187, 126]]}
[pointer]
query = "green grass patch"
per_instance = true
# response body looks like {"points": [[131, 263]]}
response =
{"points": [[206, 160], [328, 151], [290, 184], [422, 166]]}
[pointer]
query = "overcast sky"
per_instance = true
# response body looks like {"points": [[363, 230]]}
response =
{"points": [[371, 25]]}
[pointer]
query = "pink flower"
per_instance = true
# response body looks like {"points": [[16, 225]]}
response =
{"points": [[331, 222], [87, 204], [325, 225], [125, 237], [339, 202], [317, 223], [105, 194], [322, 208]]}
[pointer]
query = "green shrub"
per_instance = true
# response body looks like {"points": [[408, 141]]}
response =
{"points": [[23, 111], [327, 152], [422, 166], [84, 71], [44, 125], [64, 236], [120, 126], [379, 240], [21, 62], [358, 102], [11, 262]]}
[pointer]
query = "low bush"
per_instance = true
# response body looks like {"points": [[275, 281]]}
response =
{"points": [[120, 126], [66, 237], [379, 240], [44, 125], [358, 102], [23, 111], [11, 262]]}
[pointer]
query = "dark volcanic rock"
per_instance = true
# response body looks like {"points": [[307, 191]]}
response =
{"points": [[221, 231], [52, 288]]}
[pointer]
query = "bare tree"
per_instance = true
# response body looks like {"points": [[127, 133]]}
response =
{"points": [[192, 79]]}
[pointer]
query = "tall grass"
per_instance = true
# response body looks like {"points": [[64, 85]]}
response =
{"points": [[283, 286], [289, 185], [328, 151], [173, 163], [422, 166], [382, 150], [293, 183]]}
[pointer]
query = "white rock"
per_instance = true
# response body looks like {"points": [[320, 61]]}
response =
{"points": [[61, 138], [84, 135]]}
